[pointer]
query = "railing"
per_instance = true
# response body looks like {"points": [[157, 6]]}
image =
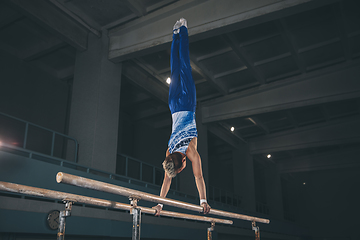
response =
{"points": [[262, 208], [212, 195], [18, 136], [136, 169], [289, 216], [23, 134], [223, 196], [71, 165]]}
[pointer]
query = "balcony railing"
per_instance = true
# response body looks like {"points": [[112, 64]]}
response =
{"points": [[133, 168], [262, 208], [26, 135], [27, 139], [223, 196]]}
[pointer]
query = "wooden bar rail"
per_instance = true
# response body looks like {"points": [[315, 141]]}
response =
{"points": [[110, 188], [41, 192]]}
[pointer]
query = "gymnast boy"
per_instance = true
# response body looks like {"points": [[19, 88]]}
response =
{"points": [[182, 104]]}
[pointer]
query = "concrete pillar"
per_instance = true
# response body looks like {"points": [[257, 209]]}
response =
{"points": [[94, 114], [120, 133], [273, 192], [243, 172]]}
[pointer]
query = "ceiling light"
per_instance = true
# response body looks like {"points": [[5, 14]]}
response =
{"points": [[232, 129], [168, 80], [268, 156], [304, 183]]}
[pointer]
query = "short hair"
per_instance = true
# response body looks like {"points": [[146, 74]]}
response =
{"points": [[172, 163]]}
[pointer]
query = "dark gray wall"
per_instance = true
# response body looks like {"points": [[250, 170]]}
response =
{"points": [[221, 174], [150, 144], [31, 94], [17, 217], [328, 203], [125, 135], [142, 141]]}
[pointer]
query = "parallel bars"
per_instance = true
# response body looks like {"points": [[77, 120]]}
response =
{"points": [[110, 188], [69, 199], [41, 192]]}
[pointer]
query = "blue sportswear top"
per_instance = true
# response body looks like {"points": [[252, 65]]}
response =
{"points": [[183, 131]]}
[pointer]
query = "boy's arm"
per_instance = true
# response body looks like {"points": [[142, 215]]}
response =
{"points": [[195, 159], [164, 189]]}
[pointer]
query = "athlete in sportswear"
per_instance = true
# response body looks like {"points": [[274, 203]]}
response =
{"points": [[182, 104]]}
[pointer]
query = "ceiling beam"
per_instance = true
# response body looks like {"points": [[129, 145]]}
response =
{"points": [[214, 54], [8, 16], [45, 68], [256, 121], [159, 5], [240, 52], [341, 131], [316, 162], [290, 43], [42, 49], [202, 70], [286, 75], [339, 19], [151, 113], [319, 45], [330, 84], [229, 72], [272, 59], [75, 17], [136, 7], [54, 20], [290, 116], [153, 32], [224, 134], [145, 82], [120, 21], [10, 50], [48, 43], [162, 123], [135, 98], [220, 149], [236, 133], [207, 97], [259, 39], [149, 69], [65, 74]]}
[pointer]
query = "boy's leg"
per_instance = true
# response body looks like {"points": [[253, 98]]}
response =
{"points": [[174, 59], [175, 72], [185, 67], [184, 50]]}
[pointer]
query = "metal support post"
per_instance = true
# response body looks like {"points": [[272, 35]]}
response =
{"points": [[256, 229], [210, 231], [62, 218], [136, 212]]}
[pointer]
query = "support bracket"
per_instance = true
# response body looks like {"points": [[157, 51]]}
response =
{"points": [[256, 229], [210, 231], [136, 212], [62, 217]]}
